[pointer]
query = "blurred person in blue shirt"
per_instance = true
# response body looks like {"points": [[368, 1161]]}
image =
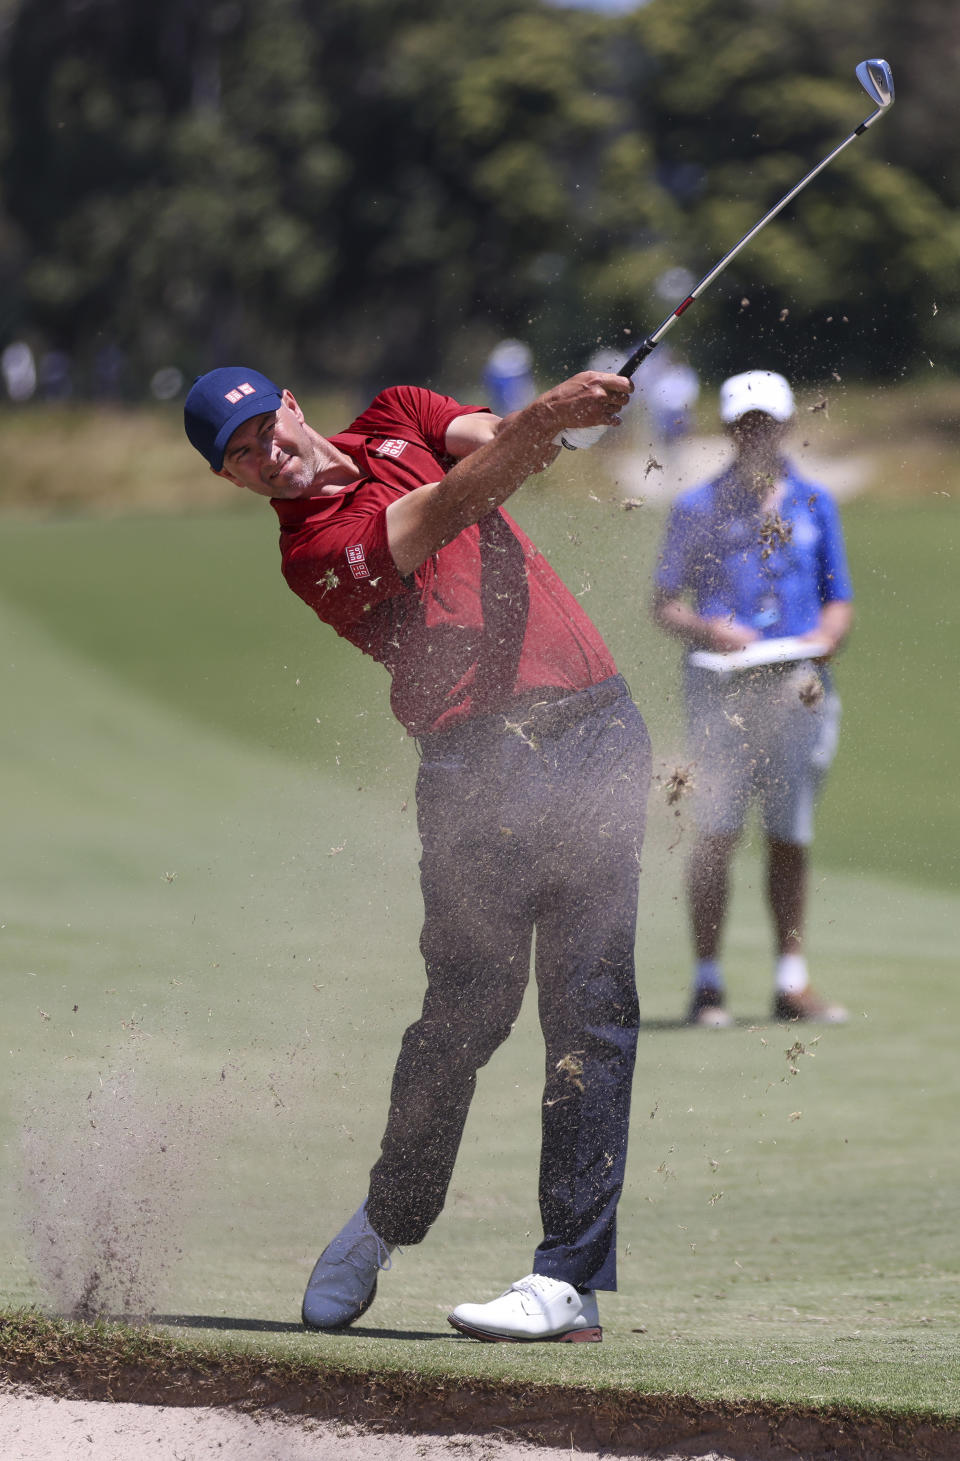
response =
{"points": [[508, 377], [670, 392], [756, 557]]}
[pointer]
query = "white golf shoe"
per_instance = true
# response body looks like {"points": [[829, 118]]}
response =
{"points": [[532, 1308], [343, 1283]]}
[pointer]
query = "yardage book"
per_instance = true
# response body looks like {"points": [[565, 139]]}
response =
{"points": [[761, 652]]}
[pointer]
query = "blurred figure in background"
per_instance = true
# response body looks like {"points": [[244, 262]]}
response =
{"points": [[670, 389], [756, 554], [54, 376], [19, 371], [508, 377], [109, 372]]}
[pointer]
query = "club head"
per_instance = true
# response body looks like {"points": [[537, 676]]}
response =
{"points": [[876, 78]]}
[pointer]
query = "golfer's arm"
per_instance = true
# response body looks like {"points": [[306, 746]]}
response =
{"points": [[466, 433], [496, 458]]}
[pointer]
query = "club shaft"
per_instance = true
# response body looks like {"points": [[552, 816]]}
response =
{"points": [[653, 339]]}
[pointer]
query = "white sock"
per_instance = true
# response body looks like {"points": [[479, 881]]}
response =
{"points": [[791, 974], [708, 975]]}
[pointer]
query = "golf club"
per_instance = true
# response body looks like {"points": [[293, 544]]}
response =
{"points": [[876, 78]]}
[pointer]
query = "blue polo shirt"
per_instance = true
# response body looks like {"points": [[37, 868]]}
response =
{"points": [[771, 569]]}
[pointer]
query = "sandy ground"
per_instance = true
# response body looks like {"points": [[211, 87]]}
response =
{"points": [[37, 1428]]}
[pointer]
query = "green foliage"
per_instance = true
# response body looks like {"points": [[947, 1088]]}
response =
{"points": [[742, 100], [343, 188]]}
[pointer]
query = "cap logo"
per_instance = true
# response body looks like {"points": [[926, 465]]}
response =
{"points": [[239, 392]]}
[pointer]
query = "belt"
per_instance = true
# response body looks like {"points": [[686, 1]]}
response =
{"points": [[550, 715], [543, 712]]}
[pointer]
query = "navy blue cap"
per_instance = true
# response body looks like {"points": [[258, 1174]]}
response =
{"points": [[220, 401]]}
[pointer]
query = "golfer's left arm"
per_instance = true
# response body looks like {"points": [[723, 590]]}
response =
{"points": [[496, 459], [466, 433]]}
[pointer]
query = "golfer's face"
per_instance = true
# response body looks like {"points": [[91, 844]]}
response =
{"points": [[272, 454]]}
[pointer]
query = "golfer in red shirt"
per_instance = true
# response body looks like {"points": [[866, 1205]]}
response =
{"points": [[531, 793]]}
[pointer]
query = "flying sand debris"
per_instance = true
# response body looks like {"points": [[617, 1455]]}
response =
{"points": [[678, 784], [572, 1067], [775, 532], [810, 692]]}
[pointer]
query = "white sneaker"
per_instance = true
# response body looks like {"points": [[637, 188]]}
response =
{"points": [[532, 1308], [343, 1283]]}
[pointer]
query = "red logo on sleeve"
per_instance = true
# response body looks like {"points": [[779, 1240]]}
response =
{"points": [[357, 561]]}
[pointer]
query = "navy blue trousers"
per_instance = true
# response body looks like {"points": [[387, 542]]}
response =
{"points": [[529, 823]]}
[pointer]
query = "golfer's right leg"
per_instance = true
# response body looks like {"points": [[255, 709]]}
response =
{"points": [[476, 946]]}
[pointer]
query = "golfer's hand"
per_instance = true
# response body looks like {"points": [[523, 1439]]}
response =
{"points": [[591, 398]]}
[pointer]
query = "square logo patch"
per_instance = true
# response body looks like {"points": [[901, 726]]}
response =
{"points": [[238, 393], [392, 447], [357, 561]]}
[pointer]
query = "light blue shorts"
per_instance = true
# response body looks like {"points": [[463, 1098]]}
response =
{"points": [[765, 735]]}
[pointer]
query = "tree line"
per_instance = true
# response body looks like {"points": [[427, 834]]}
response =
{"points": [[350, 191]]}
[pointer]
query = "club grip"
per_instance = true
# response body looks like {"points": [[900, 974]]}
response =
{"points": [[578, 438]]}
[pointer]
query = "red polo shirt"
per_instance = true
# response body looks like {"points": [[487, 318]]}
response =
{"points": [[482, 623]]}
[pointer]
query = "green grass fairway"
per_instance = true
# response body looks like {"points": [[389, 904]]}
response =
{"points": [[208, 923]]}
